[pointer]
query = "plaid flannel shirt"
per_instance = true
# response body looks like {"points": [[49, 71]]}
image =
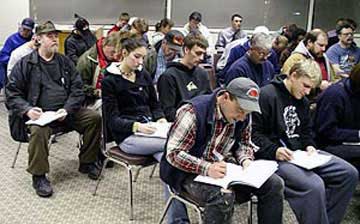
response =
{"points": [[182, 139]]}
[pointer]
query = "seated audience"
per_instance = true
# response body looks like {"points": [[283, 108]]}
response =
{"points": [[11, 43], [231, 33], [333, 36], [80, 39], [196, 148], [184, 79], [121, 24], [161, 29], [313, 46], [20, 52], [319, 195], [244, 45], [48, 81], [337, 118], [170, 49], [130, 102], [140, 27], [254, 63], [239, 51], [345, 54], [92, 64], [279, 45], [296, 36], [195, 26]]}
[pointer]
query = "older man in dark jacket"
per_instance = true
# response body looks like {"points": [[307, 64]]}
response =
{"points": [[47, 81]]}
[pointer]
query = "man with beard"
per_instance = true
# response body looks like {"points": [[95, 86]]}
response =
{"points": [[313, 46], [155, 61], [345, 54], [80, 40], [47, 81], [254, 63], [184, 79]]}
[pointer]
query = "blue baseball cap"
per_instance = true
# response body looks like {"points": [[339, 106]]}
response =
{"points": [[28, 23]]}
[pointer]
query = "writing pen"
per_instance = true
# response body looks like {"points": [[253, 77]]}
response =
{"points": [[218, 156]]}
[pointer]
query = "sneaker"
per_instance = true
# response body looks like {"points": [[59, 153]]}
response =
{"points": [[42, 186], [91, 169]]}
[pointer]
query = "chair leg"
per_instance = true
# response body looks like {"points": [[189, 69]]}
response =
{"points": [[153, 171], [167, 206], [137, 174], [250, 208], [131, 216], [100, 175], [52, 140], [16, 155]]}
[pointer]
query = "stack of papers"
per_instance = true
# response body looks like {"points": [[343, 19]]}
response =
{"points": [[46, 118], [162, 130], [255, 175], [304, 160]]}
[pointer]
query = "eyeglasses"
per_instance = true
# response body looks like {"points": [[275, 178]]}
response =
{"points": [[262, 52]]}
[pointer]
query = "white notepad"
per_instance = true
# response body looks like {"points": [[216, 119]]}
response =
{"points": [[255, 175], [302, 159], [162, 130], [351, 143], [46, 118]]}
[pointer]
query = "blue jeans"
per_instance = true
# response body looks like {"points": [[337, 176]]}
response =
{"points": [[322, 194]]}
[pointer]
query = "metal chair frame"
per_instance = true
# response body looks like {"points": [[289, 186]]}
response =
{"points": [[51, 141], [198, 208], [126, 164]]}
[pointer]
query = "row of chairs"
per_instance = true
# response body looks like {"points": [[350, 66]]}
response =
{"points": [[135, 163]]}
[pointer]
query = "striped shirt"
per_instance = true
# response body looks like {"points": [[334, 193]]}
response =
{"points": [[183, 135]]}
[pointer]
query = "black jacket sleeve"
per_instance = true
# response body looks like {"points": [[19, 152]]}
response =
{"points": [[261, 129], [76, 94], [111, 108], [306, 127], [330, 112], [17, 88], [167, 95]]}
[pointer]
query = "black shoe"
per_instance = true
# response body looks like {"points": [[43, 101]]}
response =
{"points": [[91, 169], [110, 164], [42, 186]]}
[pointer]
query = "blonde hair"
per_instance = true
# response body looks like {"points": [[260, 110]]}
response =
{"points": [[308, 68]]}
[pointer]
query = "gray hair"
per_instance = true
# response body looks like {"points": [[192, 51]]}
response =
{"points": [[261, 40]]}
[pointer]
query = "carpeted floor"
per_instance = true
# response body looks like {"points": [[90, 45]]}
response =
{"points": [[73, 201]]}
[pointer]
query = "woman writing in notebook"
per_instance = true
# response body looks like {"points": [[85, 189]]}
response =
{"points": [[130, 101]]}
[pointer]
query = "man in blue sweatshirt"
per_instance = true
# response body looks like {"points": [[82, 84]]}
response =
{"points": [[12, 42], [337, 117], [254, 63], [319, 195]]}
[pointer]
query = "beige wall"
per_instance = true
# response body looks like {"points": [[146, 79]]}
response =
{"points": [[12, 12]]}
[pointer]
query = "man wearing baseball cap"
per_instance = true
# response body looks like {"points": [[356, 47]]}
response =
{"points": [[48, 81], [14, 41], [170, 48], [208, 131]]}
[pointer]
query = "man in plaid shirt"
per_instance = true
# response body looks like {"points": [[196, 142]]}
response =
{"points": [[207, 131]]}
